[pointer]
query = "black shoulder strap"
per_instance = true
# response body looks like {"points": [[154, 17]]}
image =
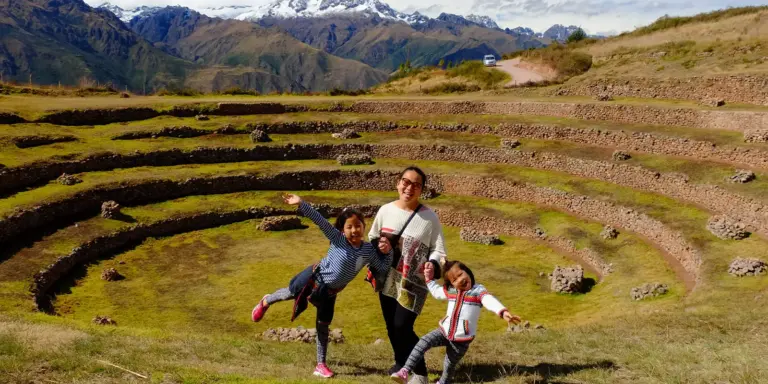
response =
{"points": [[415, 211]]}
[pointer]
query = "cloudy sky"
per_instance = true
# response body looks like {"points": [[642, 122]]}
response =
{"points": [[595, 16]]}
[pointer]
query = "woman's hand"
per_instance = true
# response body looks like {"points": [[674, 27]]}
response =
{"points": [[384, 245], [510, 318], [290, 198], [429, 271]]}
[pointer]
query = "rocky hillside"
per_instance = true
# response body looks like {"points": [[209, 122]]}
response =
{"points": [[243, 54]]}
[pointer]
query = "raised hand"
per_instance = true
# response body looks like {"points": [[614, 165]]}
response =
{"points": [[510, 318], [384, 245], [429, 271], [290, 198]]}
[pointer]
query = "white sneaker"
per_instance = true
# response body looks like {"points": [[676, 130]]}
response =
{"points": [[418, 379]]}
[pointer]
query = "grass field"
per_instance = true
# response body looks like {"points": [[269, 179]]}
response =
{"points": [[182, 310]]}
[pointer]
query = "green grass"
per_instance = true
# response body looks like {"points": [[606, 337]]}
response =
{"points": [[667, 22], [478, 72]]}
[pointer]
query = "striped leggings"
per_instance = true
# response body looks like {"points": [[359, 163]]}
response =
{"points": [[454, 351]]}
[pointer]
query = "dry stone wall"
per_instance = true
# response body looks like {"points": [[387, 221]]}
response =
{"points": [[11, 118], [628, 114], [36, 141], [751, 89], [751, 211]]}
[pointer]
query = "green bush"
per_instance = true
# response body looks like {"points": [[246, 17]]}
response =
{"points": [[563, 59], [348, 92], [576, 36], [237, 91], [178, 92], [477, 71], [451, 87]]}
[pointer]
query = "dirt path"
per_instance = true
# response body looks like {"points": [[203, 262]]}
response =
{"points": [[519, 75]]}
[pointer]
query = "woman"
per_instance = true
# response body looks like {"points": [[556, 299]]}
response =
{"points": [[417, 237]]}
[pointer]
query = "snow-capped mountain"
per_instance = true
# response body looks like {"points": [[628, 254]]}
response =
{"points": [[485, 21], [560, 32], [127, 14]]}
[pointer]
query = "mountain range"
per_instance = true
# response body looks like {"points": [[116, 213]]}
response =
{"points": [[289, 45]]}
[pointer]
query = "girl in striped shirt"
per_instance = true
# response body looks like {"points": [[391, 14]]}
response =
{"points": [[346, 256], [457, 329]]}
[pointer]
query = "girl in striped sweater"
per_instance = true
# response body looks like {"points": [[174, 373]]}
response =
{"points": [[457, 329], [346, 256]]}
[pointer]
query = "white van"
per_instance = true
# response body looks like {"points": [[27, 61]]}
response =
{"points": [[489, 60]]}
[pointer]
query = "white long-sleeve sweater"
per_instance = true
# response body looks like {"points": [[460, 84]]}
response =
{"points": [[421, 241], [464, 307]]}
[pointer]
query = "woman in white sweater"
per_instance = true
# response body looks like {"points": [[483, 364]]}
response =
{"points": [[417, 236]]}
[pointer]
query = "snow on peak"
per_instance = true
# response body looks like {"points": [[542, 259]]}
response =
{"points": [[485, 21], [126, 15]]}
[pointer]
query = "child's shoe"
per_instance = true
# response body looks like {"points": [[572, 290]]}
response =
{"points": [[322, 370], [400, 376], [259, 310]]}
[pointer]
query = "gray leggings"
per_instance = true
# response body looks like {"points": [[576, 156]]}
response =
{"points": [[454, 351], [323, 322]]}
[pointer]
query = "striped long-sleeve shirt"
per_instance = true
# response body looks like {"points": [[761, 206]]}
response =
{"points": [[343, 261]]}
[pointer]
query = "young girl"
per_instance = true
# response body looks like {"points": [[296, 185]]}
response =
{"points": [[346, 256], [457, 329]]}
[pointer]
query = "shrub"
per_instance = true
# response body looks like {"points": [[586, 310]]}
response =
{"points": [[477, 71], [348, 92], [451, 87], [576, 36], [178, 92], [237, 91], [563, 59]]}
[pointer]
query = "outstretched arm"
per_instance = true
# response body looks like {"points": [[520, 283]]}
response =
{"points": [[305, 209], [492, 304]]}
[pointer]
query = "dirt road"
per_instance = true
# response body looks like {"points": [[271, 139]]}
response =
{"points": [[519, 75]]}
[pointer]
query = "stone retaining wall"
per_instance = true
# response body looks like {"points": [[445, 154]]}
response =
{"points": [[713, 198], [628, 114], [89, 202], [751, 89], [11, 118], [36, 141]]}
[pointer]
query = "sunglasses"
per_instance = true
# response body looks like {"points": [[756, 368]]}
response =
{"points": [[408, 183]]}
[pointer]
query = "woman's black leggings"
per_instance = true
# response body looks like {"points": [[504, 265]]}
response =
{"points": [[400, 323]]}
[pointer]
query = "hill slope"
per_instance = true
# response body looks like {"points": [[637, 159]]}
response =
{"points": [[65, 41], [238, 53]]}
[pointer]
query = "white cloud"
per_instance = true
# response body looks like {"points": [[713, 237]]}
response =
{"points": [[592, 15]]}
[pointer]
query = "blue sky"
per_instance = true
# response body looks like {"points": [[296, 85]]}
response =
{"points": [[595, 16]]}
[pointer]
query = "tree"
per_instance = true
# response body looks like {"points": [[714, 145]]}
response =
{"points": [[450, 65], [441, 64], [577, 35]]}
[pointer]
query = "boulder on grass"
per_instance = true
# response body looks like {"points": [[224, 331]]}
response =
{"points": [[727, 228], [429, 193], [346, 134], [747, 267], [474, 236], [66, 179], [202, 118], [620, 156], [609, 233], [354, 159], [301, 335], [280, 223], [103, 320], [110, 209], [259, 136], [604, 96], [742, 176], [648, 290], [125, 95], [111, 274], [713, 102], [567, 279], [510, 143]]}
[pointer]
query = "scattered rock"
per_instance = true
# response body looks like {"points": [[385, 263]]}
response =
{"points": [[111, 274], [125, 95], [540, 233], [354, 159], [280, 223], [609, 233], [378, 342], [648, 290], [66, 179], [227, 129], [713, 102], [756, 136], [542, 274], [603, 96], [300, 334], [259, 136], [747, 267], [567, 279], [510, 143], [202, 118], [480, 237], [337, 107], [429, 193], [742, 176], [110, 209], [620, 156], [346, 134], [727, 228], [524, 327], [103, 320]]}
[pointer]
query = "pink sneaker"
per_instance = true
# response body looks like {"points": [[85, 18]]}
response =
{"points": [[322, 370], [259, 310], [400, 376]]}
